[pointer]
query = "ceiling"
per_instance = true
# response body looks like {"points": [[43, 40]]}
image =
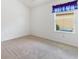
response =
{"points": [[32, 3]]}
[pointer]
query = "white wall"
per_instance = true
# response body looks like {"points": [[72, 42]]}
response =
{"points": [[55, 2], [15, 19], [43, 25]]}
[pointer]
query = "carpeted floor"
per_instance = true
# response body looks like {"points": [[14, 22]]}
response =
{"points": [[31, 47]]}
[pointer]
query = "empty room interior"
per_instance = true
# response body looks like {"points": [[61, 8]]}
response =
{"points": [[39, 29]]}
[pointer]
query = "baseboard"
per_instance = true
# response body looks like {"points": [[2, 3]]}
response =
{"points": [[61, 43], [15, 37]]}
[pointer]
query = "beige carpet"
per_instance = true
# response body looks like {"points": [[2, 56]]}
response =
{"points": [[31, 47]]}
